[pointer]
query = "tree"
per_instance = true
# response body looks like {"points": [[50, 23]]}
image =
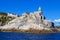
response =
{"points": [[2, 13]]}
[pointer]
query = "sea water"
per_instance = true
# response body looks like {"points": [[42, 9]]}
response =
{"points": [[28, 36]]}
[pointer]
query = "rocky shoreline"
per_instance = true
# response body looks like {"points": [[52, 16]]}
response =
{"points": [[30, 31]]}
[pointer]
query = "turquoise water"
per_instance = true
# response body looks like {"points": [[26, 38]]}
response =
{"points": [[28, 36]]}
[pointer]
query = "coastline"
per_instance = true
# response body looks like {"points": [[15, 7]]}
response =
{"points": [[31, 31]]}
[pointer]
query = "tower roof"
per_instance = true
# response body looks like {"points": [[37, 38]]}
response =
{"points": [[39, 9]]}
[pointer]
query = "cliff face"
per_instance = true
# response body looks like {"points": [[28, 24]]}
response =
{"points": [[34, 20]]}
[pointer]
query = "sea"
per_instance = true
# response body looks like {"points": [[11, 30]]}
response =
{"points": [[28, 36]]}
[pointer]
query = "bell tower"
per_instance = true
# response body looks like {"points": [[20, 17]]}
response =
{"points": [[40, 10]]}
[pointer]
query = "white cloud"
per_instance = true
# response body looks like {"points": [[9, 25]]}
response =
{"points": [[58, 20]]}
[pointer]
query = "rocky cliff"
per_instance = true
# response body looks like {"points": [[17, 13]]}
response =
{"points": [[33, 20]]}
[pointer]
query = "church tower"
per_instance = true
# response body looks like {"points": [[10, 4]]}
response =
{"points": [[40, 10]]}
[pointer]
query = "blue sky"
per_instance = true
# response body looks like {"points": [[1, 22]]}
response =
{"points": [[50, 8]]}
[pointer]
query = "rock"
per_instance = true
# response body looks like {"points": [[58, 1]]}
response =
{"points": [[34, 20]]}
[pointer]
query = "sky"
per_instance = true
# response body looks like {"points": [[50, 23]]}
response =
{"points": [[50, 8]]}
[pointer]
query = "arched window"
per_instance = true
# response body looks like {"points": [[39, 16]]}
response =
{"points": [[44, 17], [52, 24], [41, 17]]}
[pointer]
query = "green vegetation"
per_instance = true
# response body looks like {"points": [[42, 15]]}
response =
{"points": [[4, 19], [57, 28], [2, 13]]}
